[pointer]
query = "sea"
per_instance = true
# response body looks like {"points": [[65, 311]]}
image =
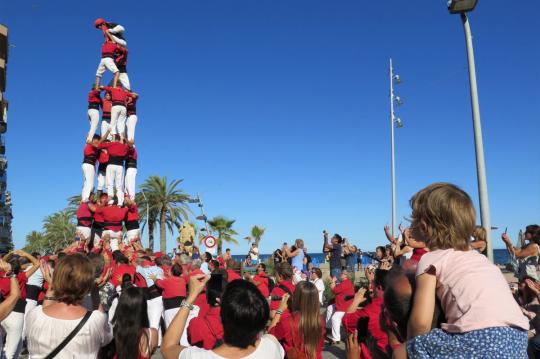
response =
{"points": [[500, 256]]}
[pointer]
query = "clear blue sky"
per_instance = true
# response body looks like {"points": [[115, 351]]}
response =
{"points": [[277, 111]]}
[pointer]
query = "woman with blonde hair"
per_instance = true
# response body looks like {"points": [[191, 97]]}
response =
{"points": [[301, 333], [296, 255]]}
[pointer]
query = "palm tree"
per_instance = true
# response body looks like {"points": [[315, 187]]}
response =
{"points": [[223, 226], [256, 234], [168, 202], [59, 230], [73, 205], [35, 242]]}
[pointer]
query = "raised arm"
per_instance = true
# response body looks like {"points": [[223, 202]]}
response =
{"points": [[423, 306], [32, 259], [9, 303]]}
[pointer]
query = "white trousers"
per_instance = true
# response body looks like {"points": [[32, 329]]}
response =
{"points": [[114, 178], [83, 232], [12, 328], [106, 63], [155, 311], [118, 120], [105, 124], [124, 80], [132, 234], [333, 321], [93, 118], [129, 181], [88, 185], [101, 181], [130, 124], [114, 238], [30, 304]]}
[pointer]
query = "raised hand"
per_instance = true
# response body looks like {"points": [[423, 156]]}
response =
{"points": [[352, 347]]}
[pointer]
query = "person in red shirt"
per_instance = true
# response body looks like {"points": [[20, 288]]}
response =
{"points": [[261, 279], [284, 286], [131, 171], [174, 291], [121, 266], [112, 216], [131, 115], [106, 106], [115, 167], [371, 311], [103, 159], [85, 218], [308, 339], [97, 225], [206, 331], [232, 267], [118, 110], [94, 103], [89, 167], [344, 293], [132, 221], [107, 55], [120, 58]]}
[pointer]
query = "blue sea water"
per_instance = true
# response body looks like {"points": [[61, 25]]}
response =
{"points": [[500, 257]]}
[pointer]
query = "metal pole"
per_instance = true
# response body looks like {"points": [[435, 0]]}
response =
{"points": [[147, 217], [479, 146], [392, 140], [201, 205]]}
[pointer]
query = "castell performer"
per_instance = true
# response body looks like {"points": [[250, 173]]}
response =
{"points": [[85, 219], [118, 110], [107, 56], [106, 105], [131, 115], [94, 103], [120, 58], [115, 30], [132, 221], [131, 171], [103, 159], [115, 167], [113, 216], [88, 167], [97, 225]]}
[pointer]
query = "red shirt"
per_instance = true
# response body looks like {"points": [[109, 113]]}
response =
{"points": [[121, 269], [373, 312], [106, 108], [131, 105], [132, 214], [5, 285], [172, 287], [232, 275], [107, 49], [117, 152], [112, 216], [103, 157], [204, 332], [94, 97], [283, 332], [279, 292], [121, 54], [98, 215], [118, 95], [418, 253], [263, 283], [342, 290], [84, 215], [90, 154]]}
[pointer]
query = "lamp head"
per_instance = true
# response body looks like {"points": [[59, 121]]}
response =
{"points": [[461, 6], [397, 79], [398, 100], [398, 122]]}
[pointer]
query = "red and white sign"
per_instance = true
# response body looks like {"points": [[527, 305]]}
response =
{"points": [[211, 244]]}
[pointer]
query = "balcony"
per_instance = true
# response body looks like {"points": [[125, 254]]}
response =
{"points": [[2, 147], [3, 115], [3, 165], [3, 56]]}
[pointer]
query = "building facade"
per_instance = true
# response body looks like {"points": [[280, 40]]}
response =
{"points": [[6, 242]]}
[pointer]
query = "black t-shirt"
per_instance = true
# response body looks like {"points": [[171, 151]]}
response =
{"points": [[277, 256], [335, 256]]}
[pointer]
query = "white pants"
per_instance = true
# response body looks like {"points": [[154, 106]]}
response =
{"points": [[333, 320], [114, 238], [101, 181], [132, 234], [106, 63], [192, 314], [97, 239], [83, 231], [130, 124], [124, 80], [155, 311], [105, 125], [88, 185], [129, 181], [93, 118], [118, 120], [12, 328], [30, 304], [114, 178]]}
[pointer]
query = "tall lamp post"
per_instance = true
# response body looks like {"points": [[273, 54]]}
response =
{"points": [[394, 121], [462, 7]]}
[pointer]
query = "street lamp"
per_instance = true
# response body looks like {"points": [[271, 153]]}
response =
{"points": [[462, 7], [394, 121]]}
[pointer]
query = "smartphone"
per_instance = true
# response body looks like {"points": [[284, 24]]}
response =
{"points": [[214, 288], [362, 328]]}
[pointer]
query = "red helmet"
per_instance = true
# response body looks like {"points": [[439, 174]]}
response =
{"points": [[99, 22]]}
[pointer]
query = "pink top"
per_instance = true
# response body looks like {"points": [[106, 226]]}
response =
{"points": [[473, 292]]}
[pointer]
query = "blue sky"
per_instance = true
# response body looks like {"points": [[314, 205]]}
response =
{"points": [[276, 112]]}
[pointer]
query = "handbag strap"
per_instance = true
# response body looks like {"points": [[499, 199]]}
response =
{"points": [[70, 336]]}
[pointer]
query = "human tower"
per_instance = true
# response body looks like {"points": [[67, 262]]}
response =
{"points": [[111, 154]]}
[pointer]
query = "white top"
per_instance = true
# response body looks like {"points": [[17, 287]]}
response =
{"points": [[268, 348], [36, 278], [45, 333], [319, 284], [254, 253]]}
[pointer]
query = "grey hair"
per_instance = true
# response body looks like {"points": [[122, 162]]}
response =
{"points": [[185, 259]]}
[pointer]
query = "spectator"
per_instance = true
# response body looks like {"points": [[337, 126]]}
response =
{"points": [[526, 256], [277, 256], [482, 318], [296, 255], [344, 292], [174, 292], [11, 299], [303, 331], [316, 279], [284, 286], [261, 279], [244, 314], [479, 240], [254, 254], [133, 337], [335, 253], [61, 313], [204, 265]]}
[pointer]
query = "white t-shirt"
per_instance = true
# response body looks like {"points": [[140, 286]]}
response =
{"points": [[44, 333], [254, 253], [319, 284], [268, 348]]}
